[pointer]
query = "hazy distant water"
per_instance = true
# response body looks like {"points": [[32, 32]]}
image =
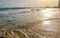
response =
{"points": [[31, 21]]}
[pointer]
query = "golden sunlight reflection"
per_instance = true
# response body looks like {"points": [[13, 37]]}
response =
{"points": [[47, 10], [47, 13], [47, 25], [46, 22]]}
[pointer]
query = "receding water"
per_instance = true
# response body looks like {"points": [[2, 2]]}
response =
{"points": [[44, 23]]}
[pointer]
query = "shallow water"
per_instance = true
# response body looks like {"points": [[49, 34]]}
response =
{"points": [[34, 24]]}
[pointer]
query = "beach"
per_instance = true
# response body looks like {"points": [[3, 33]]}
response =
{"points": [[43, 23]]}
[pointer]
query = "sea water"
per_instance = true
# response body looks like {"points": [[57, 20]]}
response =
{"points": [[26, 23]]}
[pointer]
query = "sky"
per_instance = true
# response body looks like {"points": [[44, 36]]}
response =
{"points": [[28, 3]]}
